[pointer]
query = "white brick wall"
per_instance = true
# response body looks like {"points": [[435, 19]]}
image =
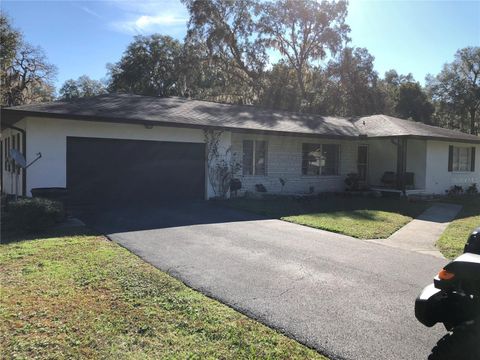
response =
{"points": [[284, 159]]}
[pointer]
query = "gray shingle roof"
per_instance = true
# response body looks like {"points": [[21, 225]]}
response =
{"points": [[183, 112], [386, 126]]}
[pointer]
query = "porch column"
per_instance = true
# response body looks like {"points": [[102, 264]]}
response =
{"points": [[401, 162]]}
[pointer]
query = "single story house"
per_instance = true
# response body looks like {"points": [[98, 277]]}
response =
{"points": [[130, 147]]}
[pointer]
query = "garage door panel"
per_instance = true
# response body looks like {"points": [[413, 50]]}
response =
{"points": [[112, 170]]}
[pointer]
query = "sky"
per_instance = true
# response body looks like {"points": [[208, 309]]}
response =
{"points": [[81, 37]]}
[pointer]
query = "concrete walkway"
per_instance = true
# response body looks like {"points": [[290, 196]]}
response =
{"points": [[421, 234]]}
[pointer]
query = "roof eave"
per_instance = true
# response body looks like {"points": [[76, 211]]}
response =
{"points": [[18, 115], [10, 116]]}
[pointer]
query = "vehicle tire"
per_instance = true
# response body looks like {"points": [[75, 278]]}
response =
{"points": [[462, 343]]}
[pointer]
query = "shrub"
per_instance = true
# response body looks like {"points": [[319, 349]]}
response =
{"points": [[33, 214], [454, 190], [472, 189], [260, 188]]}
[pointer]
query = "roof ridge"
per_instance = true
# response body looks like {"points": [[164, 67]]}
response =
{"points": [[398, 125]]}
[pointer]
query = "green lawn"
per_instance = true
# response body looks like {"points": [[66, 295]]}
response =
{"points": [[81, 296], [453, 240], [360, 217]]}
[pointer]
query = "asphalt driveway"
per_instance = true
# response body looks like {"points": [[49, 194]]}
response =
{"points": [[345, 297]]}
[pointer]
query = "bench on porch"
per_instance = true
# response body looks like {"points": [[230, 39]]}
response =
{"points": [[391, 183], [391, 180]]}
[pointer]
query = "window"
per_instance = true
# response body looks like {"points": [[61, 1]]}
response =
{"points": [[320, 159], [461, 158], [254, 157], [362, 162]]}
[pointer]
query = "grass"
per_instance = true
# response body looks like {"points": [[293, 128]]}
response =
{"points": [[453, 240], [81, 296], [360, 217]]}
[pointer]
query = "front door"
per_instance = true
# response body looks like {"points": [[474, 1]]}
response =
{"points": [[362, 162]]}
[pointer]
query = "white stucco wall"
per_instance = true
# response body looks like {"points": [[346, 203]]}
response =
{"points": [[284, 160], [49, 136], [427, 159], [417, 161], [438, 177]]}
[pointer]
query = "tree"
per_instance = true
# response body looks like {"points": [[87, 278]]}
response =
{"points": [[25, 74], [69, 90], [281, 88], [389, 88], [413, 103], [82, 87], [456, 90], [304, 31], [29, 78], [203, 79], [228, 31], [149, 66], [9, 43], [353, 80], [10, 40]]}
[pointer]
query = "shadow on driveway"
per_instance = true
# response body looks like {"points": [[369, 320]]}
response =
{"points": [[125, 218]]}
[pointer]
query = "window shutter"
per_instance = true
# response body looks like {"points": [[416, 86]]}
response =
{"points": [[247, 157], [450, 158], [472, 166], [305, 151]]}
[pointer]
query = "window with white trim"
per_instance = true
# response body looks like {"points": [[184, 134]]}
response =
{"points": [[461, 158], [320, 159], [254, 157]]}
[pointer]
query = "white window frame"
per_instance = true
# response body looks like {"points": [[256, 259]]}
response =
{"points": [[456, 164], [254, 150], [322, 166]]}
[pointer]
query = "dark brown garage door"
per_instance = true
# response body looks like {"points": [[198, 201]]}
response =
{"points": [[112, 171]]}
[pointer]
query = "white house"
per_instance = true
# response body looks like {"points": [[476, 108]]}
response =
{"points": [[130, 147]]}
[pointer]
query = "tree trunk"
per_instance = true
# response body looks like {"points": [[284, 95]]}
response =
{"points": [[473, 128], [301, 84]]}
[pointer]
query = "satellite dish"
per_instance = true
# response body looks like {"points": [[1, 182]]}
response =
{"points": [[18, 158]]}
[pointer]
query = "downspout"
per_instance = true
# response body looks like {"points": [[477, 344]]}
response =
{"points": [[24, 151]]}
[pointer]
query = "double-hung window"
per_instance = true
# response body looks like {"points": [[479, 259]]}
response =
{"points": [[320, 159], [461, 158], [254, 157]]}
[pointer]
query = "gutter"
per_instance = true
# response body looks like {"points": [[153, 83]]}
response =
{"points": [[24, 151]]}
